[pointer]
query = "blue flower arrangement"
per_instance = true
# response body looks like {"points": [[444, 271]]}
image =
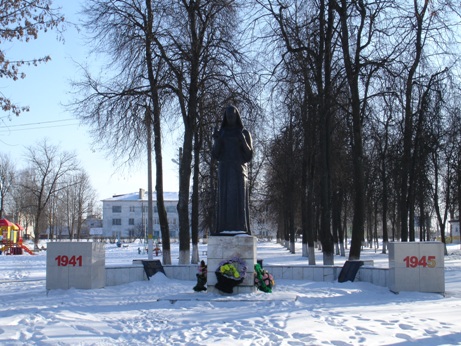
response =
{"points": [[230, 273], [234, 268]]}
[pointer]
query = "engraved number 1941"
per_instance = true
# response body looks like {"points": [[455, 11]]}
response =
{"points": [[64, 261]]}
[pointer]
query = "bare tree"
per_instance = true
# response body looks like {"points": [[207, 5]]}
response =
{"points": [[7, 174], [48, 166], [428, 33], [303, 36], [126, 108], [197, 36], [77, 196], [381, 133], [23, 200]]}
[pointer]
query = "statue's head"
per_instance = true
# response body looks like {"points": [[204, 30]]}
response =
{"points": [[232, 118]]}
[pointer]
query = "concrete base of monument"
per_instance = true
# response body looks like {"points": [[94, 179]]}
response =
{"points": [[230, 233], [225, 248]]}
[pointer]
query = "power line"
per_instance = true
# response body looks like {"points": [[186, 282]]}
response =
{"points": [[25, 127], [36, 128], [41, 123]]}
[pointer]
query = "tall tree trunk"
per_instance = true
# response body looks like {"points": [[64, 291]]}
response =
{"points": [[458, 183], [150, 207], [408, 123], [325, 113], [359, 205], [352, 67], [384, 181], [190, 124], [307, 213], [184, 194], [162, 214], [336, 220], [195, 200]]}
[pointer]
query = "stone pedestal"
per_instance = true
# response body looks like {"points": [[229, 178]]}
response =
{"points": [[416, 266], [75, 264], [221, 248]]}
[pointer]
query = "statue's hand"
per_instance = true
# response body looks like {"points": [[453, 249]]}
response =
{"points": [[243, 138], [216, 134]]}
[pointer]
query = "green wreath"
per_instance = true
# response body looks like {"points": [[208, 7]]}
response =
{"points": [[259, 281]]}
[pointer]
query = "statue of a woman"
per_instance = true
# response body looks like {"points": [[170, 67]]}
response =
{"points": [[233, 149]]}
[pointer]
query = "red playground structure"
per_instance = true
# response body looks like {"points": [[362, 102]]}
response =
{"points": [[11, 239]]}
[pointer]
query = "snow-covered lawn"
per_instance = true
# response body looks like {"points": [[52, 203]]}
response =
{"points": [[168, 312]]}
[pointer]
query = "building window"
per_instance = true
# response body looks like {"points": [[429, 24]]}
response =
{"points": [[116, 222], [131, 221], [116, 208], [144, 209], [131, 208], [171, 209]]}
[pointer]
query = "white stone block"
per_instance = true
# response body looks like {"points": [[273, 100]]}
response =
{"points": [[328, 274], [416, 266], [287, 273], [57, 278], [137, 274], [432, 280], [276, 271], [75, 264], [378, 277], [318, 274], [110, 275], [221, 248], [297, 273], [308, 274]]}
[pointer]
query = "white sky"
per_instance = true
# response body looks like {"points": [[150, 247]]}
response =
{"points": [[45, 88]]}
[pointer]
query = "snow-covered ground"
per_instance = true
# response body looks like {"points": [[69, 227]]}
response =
{"points": [[168, 312]]}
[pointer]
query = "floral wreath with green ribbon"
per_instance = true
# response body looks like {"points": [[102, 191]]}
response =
{"points": [[264, 281]]}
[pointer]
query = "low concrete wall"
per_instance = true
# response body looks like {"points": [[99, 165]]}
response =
{"points": [[375, 276], [117, 275], [319, 273], [181, 272], [123, 274]]}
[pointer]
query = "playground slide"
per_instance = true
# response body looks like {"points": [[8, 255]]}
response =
{"points": [[26, 249]]}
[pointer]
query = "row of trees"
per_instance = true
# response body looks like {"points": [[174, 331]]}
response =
{"points": [[370, 97], [52, 195], [353, 106], [364, 94]]}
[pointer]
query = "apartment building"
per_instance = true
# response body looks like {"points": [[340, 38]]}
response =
{"points": [[125, 216]]}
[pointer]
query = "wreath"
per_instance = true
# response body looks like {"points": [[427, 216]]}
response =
{"points": [[264, 281], [230, 273], [234, 268]]}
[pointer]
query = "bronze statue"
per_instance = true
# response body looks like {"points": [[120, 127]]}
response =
{"points": [[233, 149]]}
